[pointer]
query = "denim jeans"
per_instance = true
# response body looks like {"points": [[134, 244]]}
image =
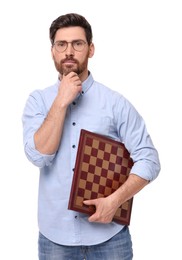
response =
{"points": [[118, 247]]}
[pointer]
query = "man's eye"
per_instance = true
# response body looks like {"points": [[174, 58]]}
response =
{"points": [[61, 44], [78, 43]]}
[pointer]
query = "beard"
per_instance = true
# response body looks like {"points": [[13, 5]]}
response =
{"points": [[76, 67]]}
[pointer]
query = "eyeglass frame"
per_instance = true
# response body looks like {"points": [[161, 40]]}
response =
{"points": [[72, 42]]}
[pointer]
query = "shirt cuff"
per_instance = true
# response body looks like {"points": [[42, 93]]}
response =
{"points": [[36, 157]]}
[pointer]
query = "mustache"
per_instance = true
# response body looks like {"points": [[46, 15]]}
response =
{"points": [[69, 59]]}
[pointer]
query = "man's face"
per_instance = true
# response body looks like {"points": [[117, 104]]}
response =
{"points": [[70, 59]]}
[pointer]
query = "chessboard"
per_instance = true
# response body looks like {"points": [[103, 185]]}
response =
{"points": [[102, 166]]}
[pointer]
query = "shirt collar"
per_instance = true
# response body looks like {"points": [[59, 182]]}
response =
{"points": [[87, 83]]}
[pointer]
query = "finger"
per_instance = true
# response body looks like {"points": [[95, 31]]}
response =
{"points": [[72, 74], [78, 82], [92, 218], [89, 202]]}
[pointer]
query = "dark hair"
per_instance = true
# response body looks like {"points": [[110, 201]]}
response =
{"points": [[68, 20]]}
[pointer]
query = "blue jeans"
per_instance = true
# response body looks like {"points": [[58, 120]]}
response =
{"points": [[118, 247]]}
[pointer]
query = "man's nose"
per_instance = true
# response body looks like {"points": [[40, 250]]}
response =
{"points": [[69, 50]]}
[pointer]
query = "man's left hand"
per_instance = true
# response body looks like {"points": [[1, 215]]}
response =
{"points": [[105, 209]]}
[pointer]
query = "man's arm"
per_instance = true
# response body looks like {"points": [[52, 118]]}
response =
{"points": [[107, 207], [48, 136]]}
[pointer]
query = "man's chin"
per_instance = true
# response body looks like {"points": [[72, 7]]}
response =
{"points": [[68, 70]]}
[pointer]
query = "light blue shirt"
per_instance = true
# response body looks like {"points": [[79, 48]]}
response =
{"points": [[97, 109]]}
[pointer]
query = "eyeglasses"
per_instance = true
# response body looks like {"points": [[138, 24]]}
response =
{"points": [[77, 45]]}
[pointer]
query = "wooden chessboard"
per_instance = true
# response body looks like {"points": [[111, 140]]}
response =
{"points": [[102, 166]]}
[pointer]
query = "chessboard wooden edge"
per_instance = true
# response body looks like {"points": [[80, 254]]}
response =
{"points": [[89, 209], [75, 179]]}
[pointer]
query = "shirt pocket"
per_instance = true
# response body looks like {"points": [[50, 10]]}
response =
{"points": [[100, 125]]}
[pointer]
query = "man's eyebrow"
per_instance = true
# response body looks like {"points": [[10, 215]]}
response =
{"points": [[71, 41]]}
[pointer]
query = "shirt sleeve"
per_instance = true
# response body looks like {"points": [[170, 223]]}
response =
{"points": [[133, 133], [33, 116]]}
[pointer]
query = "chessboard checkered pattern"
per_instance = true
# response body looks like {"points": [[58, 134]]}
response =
{"points": [[104, 165]]}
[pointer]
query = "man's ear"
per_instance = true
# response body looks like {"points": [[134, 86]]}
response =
{"points": [[52, 54], [91, 50]]}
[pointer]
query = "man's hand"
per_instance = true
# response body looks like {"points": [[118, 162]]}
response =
{"points": [[70, 87], [105, 209]]}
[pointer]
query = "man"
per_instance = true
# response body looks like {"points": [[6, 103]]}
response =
{"points": [[52, 121]]}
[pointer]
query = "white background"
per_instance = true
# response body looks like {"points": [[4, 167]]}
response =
{"points": [[138, 53]]}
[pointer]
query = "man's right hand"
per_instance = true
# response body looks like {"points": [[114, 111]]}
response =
{"points": [[69, 88]]}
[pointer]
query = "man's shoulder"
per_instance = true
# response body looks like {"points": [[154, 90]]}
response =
{"points": [[49, 90], [107, 90]]}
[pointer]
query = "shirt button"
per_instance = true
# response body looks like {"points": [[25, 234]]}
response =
{"points": [[73, 146], [75, 216], [73, 123], [74, 103]]}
